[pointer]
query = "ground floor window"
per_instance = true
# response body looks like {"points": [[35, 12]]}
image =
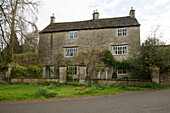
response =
{"points": [[48, 72], [73, 70], [121, 71]]}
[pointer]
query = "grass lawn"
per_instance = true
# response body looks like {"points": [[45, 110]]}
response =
{"points": [[12, 92]]}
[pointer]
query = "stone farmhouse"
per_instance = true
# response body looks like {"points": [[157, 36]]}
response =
{"points": [[118, 35]]}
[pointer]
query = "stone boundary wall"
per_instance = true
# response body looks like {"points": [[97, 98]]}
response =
{"points": [[33, 81], [119, 82], [165, 78]]}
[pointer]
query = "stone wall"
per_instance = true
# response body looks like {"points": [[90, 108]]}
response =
{"points": [[165, 78], [33, 81], [52, 44], [119, 82]]}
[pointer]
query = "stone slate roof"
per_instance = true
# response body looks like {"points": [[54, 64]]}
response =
{"points": [[92, 24]]}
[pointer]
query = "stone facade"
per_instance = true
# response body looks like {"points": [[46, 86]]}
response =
{"points": [[52, 44], [97, 33]]}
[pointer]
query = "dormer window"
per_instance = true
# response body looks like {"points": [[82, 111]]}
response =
{"points": [[73, 34], [122, 32]]}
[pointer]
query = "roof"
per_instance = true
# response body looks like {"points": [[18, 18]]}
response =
{"points": [[92, 24]]}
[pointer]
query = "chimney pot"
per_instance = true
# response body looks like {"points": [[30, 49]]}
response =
{"points": [[95, 15], [132, 13], [52, 19]]}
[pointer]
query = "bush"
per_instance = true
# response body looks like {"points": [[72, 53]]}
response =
{"points": [[34, 71], [108, 58], [114, 75], [19, 71], [51, 93], [42, 91], [69, 78], [26, 72], [151, 85], [26, 56]]}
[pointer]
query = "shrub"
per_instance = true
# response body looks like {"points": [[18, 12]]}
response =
{"points": [[42, 91], [18, 71], [51, 93], [34, 71], [88, 84], [124, 86], [114, 75], [108, 58], [26, 56], [69, 78], [150, 85]]}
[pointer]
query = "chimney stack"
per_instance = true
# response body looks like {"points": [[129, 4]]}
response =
{"points": [[95, 15], [52, 19], [132, 13]]}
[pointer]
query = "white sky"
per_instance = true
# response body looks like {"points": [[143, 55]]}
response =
{"points": [[150, 13]]}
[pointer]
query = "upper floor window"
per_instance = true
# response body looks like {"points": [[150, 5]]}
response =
{"points": [[122, 32], [120, 50], [73, 34], [69, 52]]}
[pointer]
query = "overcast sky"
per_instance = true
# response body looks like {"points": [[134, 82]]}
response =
{"points": [[150, 13]]}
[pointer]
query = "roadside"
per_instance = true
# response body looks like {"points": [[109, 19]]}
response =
{"points": [[55, 91], [75, 98]]}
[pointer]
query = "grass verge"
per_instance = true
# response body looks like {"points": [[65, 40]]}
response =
{"points": [[13, 92]]}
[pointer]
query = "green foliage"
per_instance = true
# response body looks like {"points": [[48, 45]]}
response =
{"points": [[26, 72], [19, 71], [5, 58], [26, 56], [51, 94], [151, 55], [88, 84], [114, 75], [123, 86], [34, 71], [124, 64], [12, 92], [108, 58], [42, 91], [152, 85]]}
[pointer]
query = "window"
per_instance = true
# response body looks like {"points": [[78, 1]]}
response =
{"points": [[120, 50], [73, 35], [122, 32], [48, 72], [72, 70], [69, 52], [121, 72]]}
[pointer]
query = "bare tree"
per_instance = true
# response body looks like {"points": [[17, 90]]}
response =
{"points": [[17, 16]]}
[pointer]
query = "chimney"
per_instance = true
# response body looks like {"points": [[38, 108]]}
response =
{"points": [[95, 15], [52, 19], [132, 13]]}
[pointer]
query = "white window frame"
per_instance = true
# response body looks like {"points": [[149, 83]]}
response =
{"points": [[73, 35], [122, 32], [74, 70], [122, 71], [120, 50], [70, 52]]}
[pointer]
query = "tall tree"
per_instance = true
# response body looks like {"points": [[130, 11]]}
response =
{"points": [[16, 18]]}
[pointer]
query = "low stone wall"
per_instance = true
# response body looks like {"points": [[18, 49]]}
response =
{"points": [[33, 81], [165, 78], [119, 82]]}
